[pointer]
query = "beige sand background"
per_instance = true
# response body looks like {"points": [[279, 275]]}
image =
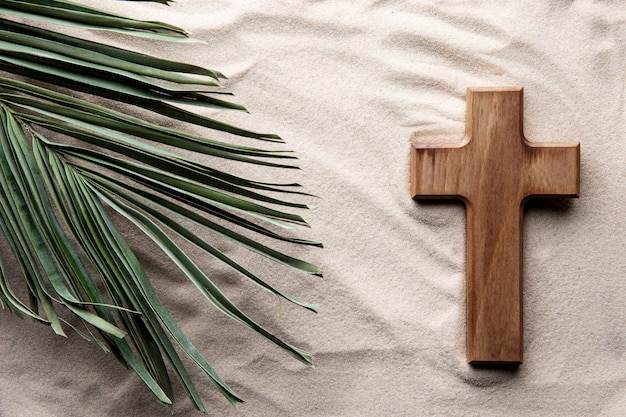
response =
{"points": [[348, 84]]}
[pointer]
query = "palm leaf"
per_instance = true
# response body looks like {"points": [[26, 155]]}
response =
{"points": [[53, 194]]}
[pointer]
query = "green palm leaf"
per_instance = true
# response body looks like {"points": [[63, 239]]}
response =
{"points": [[73, 259]]}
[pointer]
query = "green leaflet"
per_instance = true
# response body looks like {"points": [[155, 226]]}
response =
{"points": [[208, 289], [105, 80], [72, 14], [59, 105], [50, 251], [169, 68], [137, 287], [164, 205], [81, 55], [129, 94], [163, 161]]}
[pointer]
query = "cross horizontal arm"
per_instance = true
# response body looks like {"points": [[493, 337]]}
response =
{"points": [[440, 172], [552, 170]]}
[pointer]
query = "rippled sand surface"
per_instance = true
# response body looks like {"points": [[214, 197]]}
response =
{"points": [[349, 85]]}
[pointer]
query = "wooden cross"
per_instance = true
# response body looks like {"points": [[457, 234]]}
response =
{"points": [[494, 171]]}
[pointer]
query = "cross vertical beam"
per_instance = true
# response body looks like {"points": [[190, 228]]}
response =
{"points": [[494, 170]]}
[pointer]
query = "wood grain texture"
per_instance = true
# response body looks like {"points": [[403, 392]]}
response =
{"points": [[494, 170]]}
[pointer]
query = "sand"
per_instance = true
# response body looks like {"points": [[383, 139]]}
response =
{"points": [[349, 85]]}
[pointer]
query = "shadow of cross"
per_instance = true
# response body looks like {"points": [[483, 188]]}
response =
{"points": [[494, 171]]}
